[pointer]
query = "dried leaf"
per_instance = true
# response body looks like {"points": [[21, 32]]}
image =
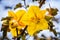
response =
{"points": [[19, 5], [52, 11]]}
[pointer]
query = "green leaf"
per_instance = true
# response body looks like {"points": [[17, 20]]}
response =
{"points": [[48, 18]]}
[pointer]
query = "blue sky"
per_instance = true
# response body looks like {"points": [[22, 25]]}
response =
{"points": [[12, 3]]}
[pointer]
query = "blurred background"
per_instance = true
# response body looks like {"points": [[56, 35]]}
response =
{"points": [[5, 5]]}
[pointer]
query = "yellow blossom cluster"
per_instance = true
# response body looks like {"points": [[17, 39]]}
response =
{"points": [[34, 17]]}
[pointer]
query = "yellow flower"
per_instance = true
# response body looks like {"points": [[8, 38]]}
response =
{"points": [[34, 18], [15, 22]]}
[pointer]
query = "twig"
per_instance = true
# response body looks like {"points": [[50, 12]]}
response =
{"points": [[22, 33], [25, 4], [41, 3]]}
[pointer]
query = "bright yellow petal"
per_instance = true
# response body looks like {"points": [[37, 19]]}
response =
{"points": [[37, 12], [41, 15], [13, 31], [20, 13], [34, 26], [12, 14], [43, 25], [27, 17], [32, 11], [31, 28], [13, 28]]}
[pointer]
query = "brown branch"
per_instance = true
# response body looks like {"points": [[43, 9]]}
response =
{"points": [[41, 2], [22, 33]]}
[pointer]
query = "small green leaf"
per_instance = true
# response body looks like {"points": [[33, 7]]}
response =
{"points": [[48, 18]]}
